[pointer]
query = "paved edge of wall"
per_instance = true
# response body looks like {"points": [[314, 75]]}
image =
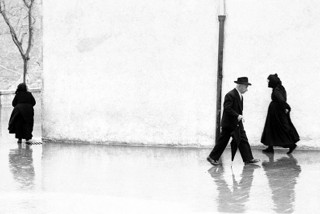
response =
{"points": [[192, 146], [115, 143]]}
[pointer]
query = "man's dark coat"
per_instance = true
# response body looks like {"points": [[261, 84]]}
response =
{"points": [[233, 107]]}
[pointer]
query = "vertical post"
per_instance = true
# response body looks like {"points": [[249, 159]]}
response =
{"points": [[219, 73], [1, 97]]}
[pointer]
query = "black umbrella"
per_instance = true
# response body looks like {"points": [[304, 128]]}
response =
{"points": [[236, 139]]}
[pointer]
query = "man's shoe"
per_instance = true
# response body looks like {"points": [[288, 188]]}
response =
{"points": [[253, 161], [216, 171], [291, 149], [213, 162]]}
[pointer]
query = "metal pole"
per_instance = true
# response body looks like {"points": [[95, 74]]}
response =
{"points": [[219, 73]]}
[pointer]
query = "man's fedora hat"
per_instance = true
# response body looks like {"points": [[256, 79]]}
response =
{"points": [[243, 81]]}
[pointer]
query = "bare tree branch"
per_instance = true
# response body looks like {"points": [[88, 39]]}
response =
{"points": [[30, 28], [25, 2], [12, 31], [15, 15]]}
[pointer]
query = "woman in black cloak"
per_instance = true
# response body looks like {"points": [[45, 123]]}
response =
{"points": [[21, 119], [278, 129]]}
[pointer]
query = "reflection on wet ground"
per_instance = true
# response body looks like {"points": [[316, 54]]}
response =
{"points": [[70, 178], [282, 175], [233, 198], [21, 166], [139, 179]]}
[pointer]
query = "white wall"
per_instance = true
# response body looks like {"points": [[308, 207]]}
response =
{"points": [[267, 37], [144, 71], [139, 71]]}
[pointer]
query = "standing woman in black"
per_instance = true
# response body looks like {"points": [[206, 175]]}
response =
{"points": [[21, 119], [278, 129]]}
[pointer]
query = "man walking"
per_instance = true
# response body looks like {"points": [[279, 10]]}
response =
{"points": [[231, 118]]}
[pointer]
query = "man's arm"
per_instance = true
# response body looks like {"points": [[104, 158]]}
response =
{"points": [[228, 105]]}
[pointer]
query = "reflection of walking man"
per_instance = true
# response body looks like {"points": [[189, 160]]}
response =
{"points": [[233, 200], [232, 116]]}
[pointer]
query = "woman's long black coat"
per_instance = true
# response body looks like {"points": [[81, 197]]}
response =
{"points": [[21, 119], [278, 129]]}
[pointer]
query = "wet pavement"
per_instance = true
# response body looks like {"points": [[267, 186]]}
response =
{"points": [[70, 178]]}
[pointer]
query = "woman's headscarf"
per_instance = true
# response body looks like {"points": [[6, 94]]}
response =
{"points": [[274, 81], [21, 87]]}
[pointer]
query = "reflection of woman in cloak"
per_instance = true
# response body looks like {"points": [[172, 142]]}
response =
{"points": [[21, 119], [233, 200], [21, 166], [282, 175]]}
